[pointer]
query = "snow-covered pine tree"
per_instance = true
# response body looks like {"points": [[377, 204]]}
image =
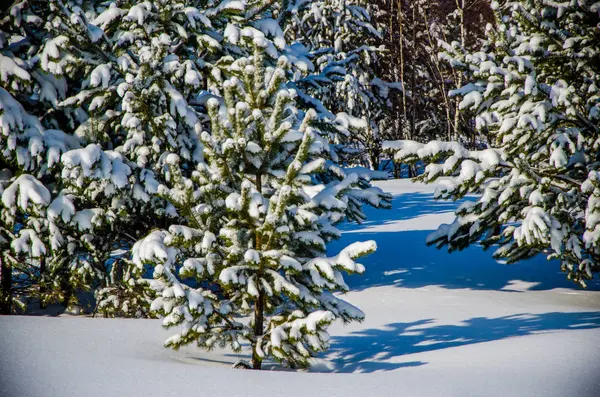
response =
{"points": [[113, 80], [535, 90], [32, 245], [141, 63], [347, 49], [120, 83], [185, 51], [255, 221]]}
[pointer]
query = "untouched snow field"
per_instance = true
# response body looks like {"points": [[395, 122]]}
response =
{"points": [[437, 324]]}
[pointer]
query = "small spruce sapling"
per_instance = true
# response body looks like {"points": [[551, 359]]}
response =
{"points": [[256, 224]]}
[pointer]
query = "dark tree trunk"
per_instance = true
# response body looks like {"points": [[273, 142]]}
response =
{"points": [[67, 289], [259, 306], [42, 283], [375, 159], [258, 329], [118, 271], [412, 172], [6, 275]]}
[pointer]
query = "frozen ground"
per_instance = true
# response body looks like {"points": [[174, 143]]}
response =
{"points": [[437, 324]]}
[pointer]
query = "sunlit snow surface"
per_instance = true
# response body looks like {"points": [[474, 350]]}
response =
{"points": [[437, 324]]}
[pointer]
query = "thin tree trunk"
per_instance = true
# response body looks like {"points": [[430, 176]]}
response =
{"points": [[392, 66], [118, 271], [6, 274], [258, 328], [67, 289], [460, 4], [42, 283], [401, 45], [413, 77], [374, 159], [259, 305]]}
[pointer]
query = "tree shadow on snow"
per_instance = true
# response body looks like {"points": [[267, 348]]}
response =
{"points": [[405, 206], [403, 259], [367, 350]]}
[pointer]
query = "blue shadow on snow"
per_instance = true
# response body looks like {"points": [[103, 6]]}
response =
{"points": [[363, 351], [404, 206], [403, 259]]}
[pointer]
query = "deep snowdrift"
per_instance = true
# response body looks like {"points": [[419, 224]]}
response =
{"points": [[456, 324]]}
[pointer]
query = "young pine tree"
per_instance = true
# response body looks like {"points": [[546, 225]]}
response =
{"points": [[256, 221], [535, 90]]}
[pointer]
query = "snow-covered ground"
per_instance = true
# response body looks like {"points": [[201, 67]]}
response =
{"points": [[437, 324]]}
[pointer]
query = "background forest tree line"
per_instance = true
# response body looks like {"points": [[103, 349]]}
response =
{"points": [[417, 35]]}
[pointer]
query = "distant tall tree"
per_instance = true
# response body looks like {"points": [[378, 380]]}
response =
{"points": [[416, 32]]}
